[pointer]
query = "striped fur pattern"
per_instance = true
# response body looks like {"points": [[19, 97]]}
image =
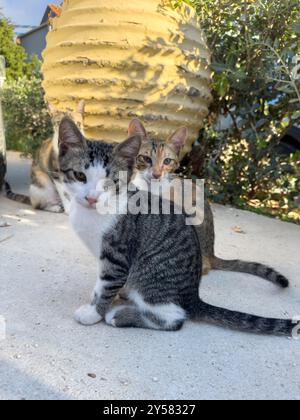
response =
{"points": [[2, 165], [151, 161], [20, 198], [149, 270]]}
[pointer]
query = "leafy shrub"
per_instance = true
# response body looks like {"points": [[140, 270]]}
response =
{"points": [[254, 47], [17, 62], [26, 117]]}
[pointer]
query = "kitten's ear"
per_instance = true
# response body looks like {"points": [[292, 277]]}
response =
{"points": [[56, 116], [129, 149], [51, 108], [178, 139], [69, 136], [136, 128], [81, 107]]}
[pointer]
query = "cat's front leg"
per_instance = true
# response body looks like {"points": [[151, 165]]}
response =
{"points": [[110, 282], [88, 314]]}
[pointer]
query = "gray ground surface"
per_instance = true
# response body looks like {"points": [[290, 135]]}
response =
{"points": [[46, 274]]}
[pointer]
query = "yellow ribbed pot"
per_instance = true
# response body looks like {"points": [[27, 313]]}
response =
{"points": [[139, 58]]}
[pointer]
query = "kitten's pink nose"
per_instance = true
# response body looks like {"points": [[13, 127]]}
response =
{"points": [[157, 175], [91, 200]]}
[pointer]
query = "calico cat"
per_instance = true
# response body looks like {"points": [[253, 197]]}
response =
{"points": [[43, 193], [46, 191], [159, 160], [149, 270]]}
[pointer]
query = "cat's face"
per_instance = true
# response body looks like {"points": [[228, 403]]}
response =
{"points": [[158, 159], [87, 166], [83, 164]]}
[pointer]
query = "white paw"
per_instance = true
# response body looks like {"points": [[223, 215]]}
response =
{"points": [[87, 315]]}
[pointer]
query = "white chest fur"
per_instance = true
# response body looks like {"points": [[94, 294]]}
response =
{"points": [[90, 226]]}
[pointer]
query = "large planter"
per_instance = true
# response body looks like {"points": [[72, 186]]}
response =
{"points": [[139, 58]]}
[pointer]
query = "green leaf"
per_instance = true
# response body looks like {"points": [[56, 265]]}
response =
{"points": [[285, 89], [219, 67], [261, 123], [296, 27], [296, 115], [221, 85], [294, 101]]}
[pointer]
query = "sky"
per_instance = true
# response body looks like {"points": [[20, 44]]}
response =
{"points": [[25, 12]]}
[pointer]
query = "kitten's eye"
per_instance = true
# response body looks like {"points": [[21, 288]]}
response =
{"points": [[168, 161], [80, 176], [145, 159]]}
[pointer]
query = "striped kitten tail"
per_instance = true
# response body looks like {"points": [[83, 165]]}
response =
{"points": [[255, 269], [243, 322], [20, 198]]}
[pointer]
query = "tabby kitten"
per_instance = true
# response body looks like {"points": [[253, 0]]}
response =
{"points": [[149, 265], [159, 160]]}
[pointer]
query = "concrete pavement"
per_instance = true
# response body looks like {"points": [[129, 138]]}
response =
{"points": [[45, 274]]}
